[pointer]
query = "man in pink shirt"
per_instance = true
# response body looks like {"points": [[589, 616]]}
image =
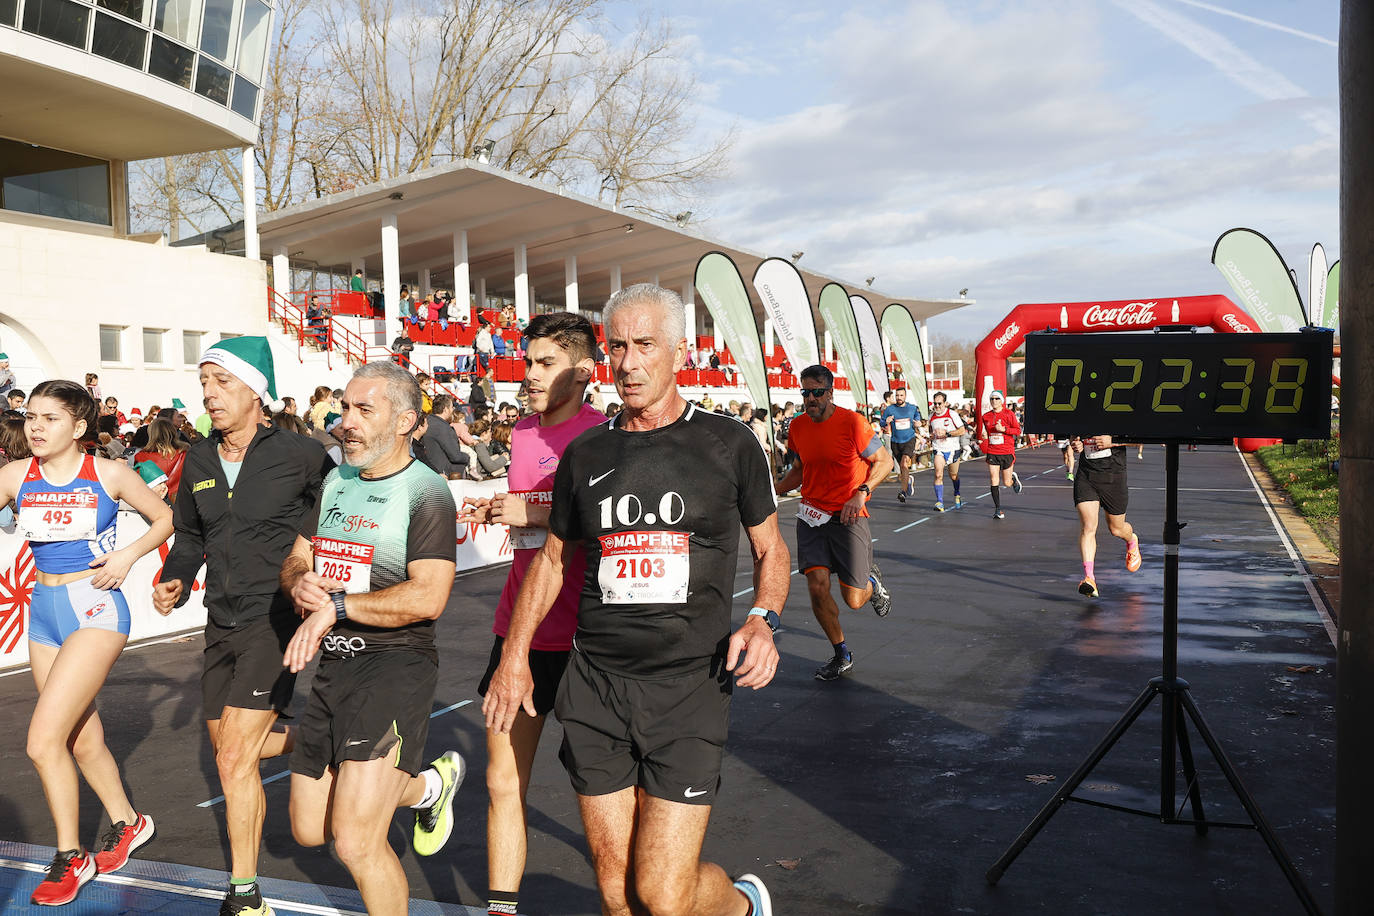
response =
{"points": [[559, 363]]}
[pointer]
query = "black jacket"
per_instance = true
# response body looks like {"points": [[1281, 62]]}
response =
{"points": [[243, 535], [441, 442]]}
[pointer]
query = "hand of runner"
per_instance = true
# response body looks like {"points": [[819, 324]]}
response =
{"points": [[111, 569], [165, 596], [475, 510], [306, 642], [755, 641], [311, 593], [851, 509], [511, 687], [509, 509]]}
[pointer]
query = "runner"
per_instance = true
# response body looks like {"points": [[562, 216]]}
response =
{"points": [[1101, 481], [243, 687], [900, 423], [370, 572], [78, 621], [839, 462], [947, 431], [1000, 430], [560, 357], [657, 496]]}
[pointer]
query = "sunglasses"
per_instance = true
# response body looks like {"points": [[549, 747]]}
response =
{"points": [[814, 392]]}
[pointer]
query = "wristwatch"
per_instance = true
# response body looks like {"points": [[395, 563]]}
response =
{"points": [[769, 617], [863, 488], [340, 613]]}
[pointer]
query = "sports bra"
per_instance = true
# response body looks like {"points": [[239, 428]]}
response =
{"points": [[67, 525]]}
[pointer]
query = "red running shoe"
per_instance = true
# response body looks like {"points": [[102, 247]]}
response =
{"points": [[120, 841], [69, 872]]}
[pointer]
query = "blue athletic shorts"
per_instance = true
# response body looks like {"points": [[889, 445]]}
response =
{"points": [[56, 612]]}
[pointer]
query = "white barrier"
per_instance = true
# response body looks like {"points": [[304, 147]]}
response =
{"points": [[477, 545]]}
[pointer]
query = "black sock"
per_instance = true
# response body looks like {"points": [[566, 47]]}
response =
{"points": [[996, 497], [502, 903], [841, 649]]}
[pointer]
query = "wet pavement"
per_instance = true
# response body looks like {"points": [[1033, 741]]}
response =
{"points": [[893, 790]]}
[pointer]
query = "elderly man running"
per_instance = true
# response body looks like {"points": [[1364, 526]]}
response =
{"points": [[656, 497]]}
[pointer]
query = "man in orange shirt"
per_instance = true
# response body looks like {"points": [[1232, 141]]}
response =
{"points": [[840, 461]]}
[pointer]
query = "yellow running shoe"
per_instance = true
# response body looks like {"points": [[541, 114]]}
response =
{"points": [[434, 824]]}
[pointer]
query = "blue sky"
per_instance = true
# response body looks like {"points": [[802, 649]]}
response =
{"points": [[1043, 150]]}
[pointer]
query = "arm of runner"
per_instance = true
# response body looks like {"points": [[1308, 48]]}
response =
{"points": [[475, 509], [880, 464], [510, 509], [186, 555], [421, 597], [789, 481], [309, 591], [123, 482], [511, 685], [754, 639]]}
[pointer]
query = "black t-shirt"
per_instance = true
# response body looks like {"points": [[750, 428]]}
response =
{"points": [[660, 513], [1115, 463]]}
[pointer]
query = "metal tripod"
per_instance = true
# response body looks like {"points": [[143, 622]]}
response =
{"points": [[1175, 702]]}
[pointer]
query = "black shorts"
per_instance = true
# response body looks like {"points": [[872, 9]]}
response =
{"points": [[845, 550], [546, 667], [665, 736], [365, 707], [243, 665], [1105, 487], [905, 449], [1001, 461]]}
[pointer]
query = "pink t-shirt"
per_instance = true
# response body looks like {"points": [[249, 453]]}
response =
{"points": [[534, 454]]}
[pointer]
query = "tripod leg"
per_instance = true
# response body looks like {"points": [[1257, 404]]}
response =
{"points": [[1185, 752], [1256, 816], [1070, 784]]}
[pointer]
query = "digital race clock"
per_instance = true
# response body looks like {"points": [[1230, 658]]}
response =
{"points": [[1179, 385]]}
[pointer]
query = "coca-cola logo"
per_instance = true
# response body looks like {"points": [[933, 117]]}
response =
{"points": [[1132, 314], [1007, 335], [1236, 324]]}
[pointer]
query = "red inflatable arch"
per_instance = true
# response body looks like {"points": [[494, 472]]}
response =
{"points": [[990, 357]]}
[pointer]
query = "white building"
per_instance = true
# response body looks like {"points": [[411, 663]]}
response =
{"points": [[88, 87]]}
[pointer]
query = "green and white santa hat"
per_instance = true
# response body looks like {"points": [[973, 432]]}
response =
{"points": [[152, 474], [249, 359]]}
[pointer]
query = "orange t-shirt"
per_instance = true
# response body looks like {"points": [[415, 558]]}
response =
{"points": [[832, 459]]}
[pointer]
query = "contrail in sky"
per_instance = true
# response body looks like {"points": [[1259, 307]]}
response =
{"points": [[1260, 22]]}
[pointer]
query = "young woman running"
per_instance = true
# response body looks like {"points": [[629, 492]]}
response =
{"points": [[67, 503]]}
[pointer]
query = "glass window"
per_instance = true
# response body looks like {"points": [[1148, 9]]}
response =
{"points": [[129, 9], [8, 9], [216, 36], [110, 349], [120, 41], [171, 61], [60, 20], [253, 43], [190, 347], [80, 193], [245, 98], [152, 345], [212, 81], [179, 19]]}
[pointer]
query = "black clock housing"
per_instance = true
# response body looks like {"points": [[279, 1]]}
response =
{"points": [[1178, 385]]}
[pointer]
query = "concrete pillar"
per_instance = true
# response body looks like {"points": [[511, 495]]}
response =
{"points": [[1355, 642], [768, 337], [828, 351], [571, 302], [425, 288], [689, 302], [252, 246], [281, 271], [522, 282], [462, 279], [119, 197], [391, 274], [481, 302], [355, 265], [923, 332], [615, 280]]}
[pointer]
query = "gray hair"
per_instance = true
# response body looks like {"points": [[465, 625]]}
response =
{"points": [[401, 388], [674, 312]]}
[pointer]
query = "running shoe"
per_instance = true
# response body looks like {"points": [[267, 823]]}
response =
{"points": [[999, 514], [1015, 482], [901, 495], [939, 507], [911, 486], [120, 841], [69, 872], [757, 895], [434, 824], [245, 904], [882, 598], [1133, 554], [1070, 476], [958, 502], [1087, 588], [832, 669]]}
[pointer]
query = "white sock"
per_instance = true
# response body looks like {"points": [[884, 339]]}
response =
{"points": [[434, 784]]}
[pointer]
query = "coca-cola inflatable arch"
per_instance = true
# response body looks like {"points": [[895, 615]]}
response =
{"points": [[990, 357]]}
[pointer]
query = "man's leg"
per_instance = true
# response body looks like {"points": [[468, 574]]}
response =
{"points": [[239, 739], [939, 479], [1118, 526], [1087, 533], [311, 808], [374, 790], [509, 761], [823, 604], [609, 822], [670, 877]]}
